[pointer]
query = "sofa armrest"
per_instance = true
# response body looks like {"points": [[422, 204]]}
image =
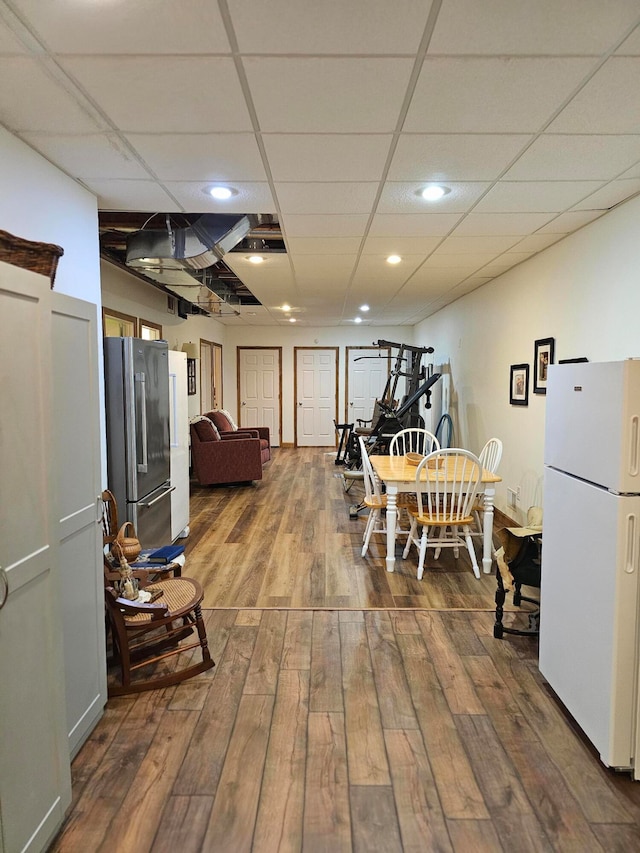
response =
{"points": [[235, 461]]}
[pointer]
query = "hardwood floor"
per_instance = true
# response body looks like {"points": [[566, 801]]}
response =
{"points": [[329, 729], [288, 541]]}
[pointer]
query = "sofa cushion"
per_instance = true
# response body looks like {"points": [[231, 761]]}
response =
{"points": [[205, 429], [222, 422]]}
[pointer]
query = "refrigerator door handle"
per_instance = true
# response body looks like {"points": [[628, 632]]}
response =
{"points": [[159, 498], [631, 555], [141, 380], [633, 449]]}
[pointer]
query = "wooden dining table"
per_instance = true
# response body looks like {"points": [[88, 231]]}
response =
{"points": [[398, 475]]}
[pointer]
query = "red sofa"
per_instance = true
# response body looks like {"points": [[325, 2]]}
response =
{"points": [[226, 427], [216, 458]]}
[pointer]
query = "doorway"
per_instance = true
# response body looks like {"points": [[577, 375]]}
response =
{"points": [[210, 375], [316, 396], [367, 373], [260, 389]]}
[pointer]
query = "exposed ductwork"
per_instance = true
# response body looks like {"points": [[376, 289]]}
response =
{"points": [[178, 257]]}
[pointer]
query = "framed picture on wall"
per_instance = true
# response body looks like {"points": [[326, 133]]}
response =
{"points": [[542, 358], [519, 385]]}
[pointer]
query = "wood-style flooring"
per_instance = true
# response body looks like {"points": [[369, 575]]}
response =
{"points": [[289, 541], [324, 728]]}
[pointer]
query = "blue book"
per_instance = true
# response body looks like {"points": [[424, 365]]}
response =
{"points": [[159, 556]]}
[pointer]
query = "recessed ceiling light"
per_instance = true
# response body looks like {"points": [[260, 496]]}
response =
{"points": [[434, 192], [364, 307], [358, 320], [394, 259], [222, 193], [255, 259], [292, 319], [286, 307]]}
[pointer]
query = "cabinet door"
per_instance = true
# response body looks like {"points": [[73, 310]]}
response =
{"points": [[76, 466], [35, 779]]}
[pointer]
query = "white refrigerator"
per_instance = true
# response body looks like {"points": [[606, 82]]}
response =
{"points": [[589, 610]]}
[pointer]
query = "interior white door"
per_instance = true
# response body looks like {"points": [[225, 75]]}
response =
{"points": [[76, 432], [259, 389], [179, 442], [35, 777], [206, 378], [367, 374], [316, 399]]}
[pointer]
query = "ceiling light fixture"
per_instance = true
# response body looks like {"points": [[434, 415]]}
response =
{"points": [[286, 307], [434, 192], [292, 319], [255, 259], [358, 320], [394, 259], [221, 193], [364, 307]]}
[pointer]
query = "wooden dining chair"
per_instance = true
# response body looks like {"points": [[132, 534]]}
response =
{"points": [[413, 440], [489, 457], [444, 504], [375, 500]]}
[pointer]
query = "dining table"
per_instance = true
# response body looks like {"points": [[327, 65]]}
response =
{"points": [[399, 475]]}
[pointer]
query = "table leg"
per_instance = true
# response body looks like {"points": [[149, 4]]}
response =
{"points": [[487, 545], [391, 521]]}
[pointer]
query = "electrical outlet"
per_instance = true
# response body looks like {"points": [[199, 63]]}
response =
{"points": [[511, 497], [518, 494]]}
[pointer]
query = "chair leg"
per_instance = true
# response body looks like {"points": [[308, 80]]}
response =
{"points": [[443, 533], [471, 550], [371, 523], [411, 538], [423, 552]]}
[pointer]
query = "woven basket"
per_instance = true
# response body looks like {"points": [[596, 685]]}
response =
{"points": [[126, 546], [38, 257]]}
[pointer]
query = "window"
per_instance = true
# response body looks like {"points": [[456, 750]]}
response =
{"points": [[117, 325], [150, 331]]}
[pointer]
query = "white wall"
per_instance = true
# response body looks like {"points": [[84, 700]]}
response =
{"points": [[289, 337], [582, 291]]}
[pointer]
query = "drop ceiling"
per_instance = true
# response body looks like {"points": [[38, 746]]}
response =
{"points": [[332, 116]]}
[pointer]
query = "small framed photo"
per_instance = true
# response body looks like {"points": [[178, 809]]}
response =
{"points": [[519, 385], [542, 358]]}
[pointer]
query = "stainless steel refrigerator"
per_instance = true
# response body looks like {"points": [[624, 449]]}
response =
{"points": [[138, 448], [590, 595]]}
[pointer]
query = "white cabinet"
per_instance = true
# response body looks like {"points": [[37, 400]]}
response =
{"points": [[35, 779], [76, 470], [179, 440]]}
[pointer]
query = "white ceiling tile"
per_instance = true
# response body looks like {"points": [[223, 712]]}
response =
{"points": [[164, 94], [376, 268], [131, 195], [9, 43], [102, 156], [535, 243], [521, 27], [327, 95], [327, 157], [490, 95], [31, 100], [490, 243], [201, 157], [250, 197], [330, 27], [413, 224], [501, 224], [513, 258], [610, 195], [429, 277], [400, 245], [143, 26], [326, 271], [568, 222], [631, 45], [317, 197], [471, 260], [405, 197], [323, 245], [581, 158], [296, 225], [609, 103], [454, 157], [534, 196]]}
